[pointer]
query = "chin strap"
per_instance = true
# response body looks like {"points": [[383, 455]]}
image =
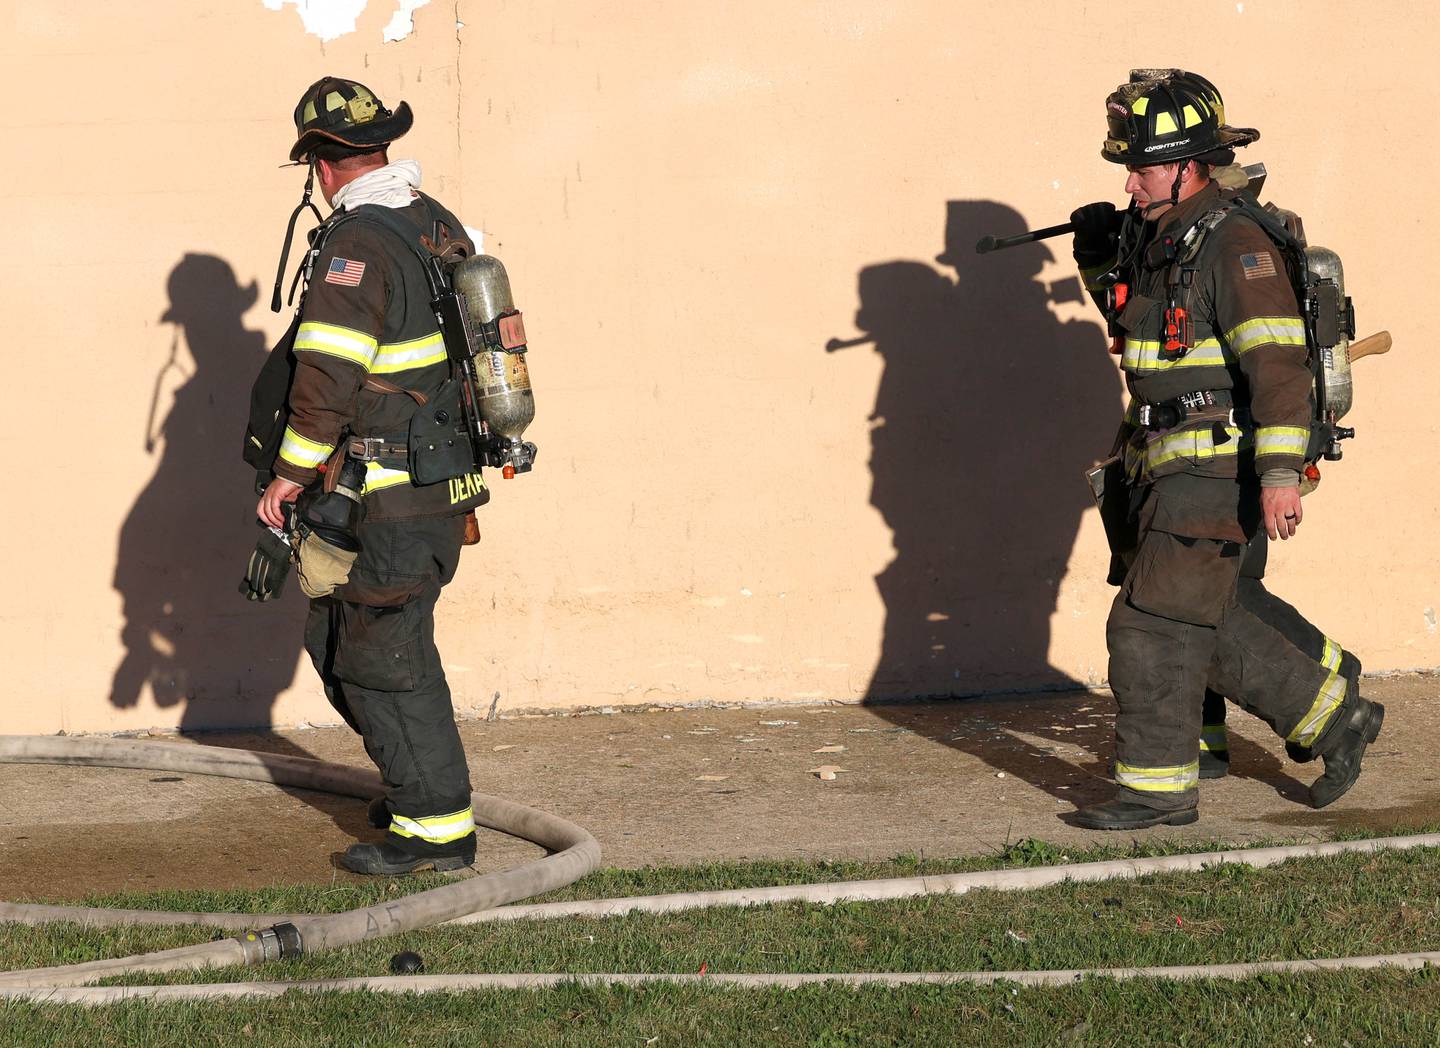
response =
{"points": [[1175, 186], [290, 234]]}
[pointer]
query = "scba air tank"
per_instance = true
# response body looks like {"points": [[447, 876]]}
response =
{"points": [[506, 403], [1334, 360]]}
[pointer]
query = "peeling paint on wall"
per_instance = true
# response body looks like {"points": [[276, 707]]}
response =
{"points": [[329, 19], [402, 22]]}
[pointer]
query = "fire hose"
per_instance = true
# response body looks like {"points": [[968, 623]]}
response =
{"points": [[574, 853]]}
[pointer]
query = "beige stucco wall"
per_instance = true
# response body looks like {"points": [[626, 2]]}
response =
{"points": [[692, 200]]}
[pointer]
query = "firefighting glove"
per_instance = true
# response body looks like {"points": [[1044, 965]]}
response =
{"points": [[1097, 232], [268, 566], [324, 566]]}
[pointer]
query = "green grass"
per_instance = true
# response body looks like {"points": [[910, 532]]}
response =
{"points": [[1329, 1010], [1354, 904]]}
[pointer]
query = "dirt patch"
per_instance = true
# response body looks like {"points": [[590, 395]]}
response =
{"points": [[661, 787]]}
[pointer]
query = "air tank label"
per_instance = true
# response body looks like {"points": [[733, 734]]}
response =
{"points": [[504, 371]]}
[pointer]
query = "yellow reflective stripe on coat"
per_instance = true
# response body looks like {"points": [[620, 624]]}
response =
{"points": [[1282, 440], [302, 451], [1214, 739], [336, 341], [1176, 778], [1196, 444], [378, 477], [1143, 354], [405, 356], [1261, 331], [1327, 701], [437, 829]]}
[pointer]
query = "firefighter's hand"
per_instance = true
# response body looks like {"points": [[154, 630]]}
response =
{"points": [[1097, 231], [270, 506], [1280, 509]]}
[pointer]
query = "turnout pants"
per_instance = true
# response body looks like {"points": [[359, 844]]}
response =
{"points": [[1252, 594], [1177, 624], [373, 644]]}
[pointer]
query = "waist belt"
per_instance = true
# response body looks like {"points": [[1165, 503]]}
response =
{"points": [[1198, 406], [377, 449]]}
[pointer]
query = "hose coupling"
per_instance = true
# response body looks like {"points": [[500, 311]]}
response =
{"points": [[276, 943]]}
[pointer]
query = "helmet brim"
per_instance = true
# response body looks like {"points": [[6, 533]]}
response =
{"points": [[372, 135], [1226, 137]]}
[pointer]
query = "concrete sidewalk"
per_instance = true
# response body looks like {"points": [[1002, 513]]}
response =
{"points": [[680, 786]]}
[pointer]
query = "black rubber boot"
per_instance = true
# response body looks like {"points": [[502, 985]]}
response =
{"points": [[378, 814], [1350, 669], [388, 858], [1214, 764], [1344, 748], [1128, 815]]}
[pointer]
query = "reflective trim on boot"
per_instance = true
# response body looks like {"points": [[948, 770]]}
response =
{"points": [[1128, 815], [1214, 751], [1343, 748], [1327, 700], [1350, 668], [1175, 778], [436, 829]]}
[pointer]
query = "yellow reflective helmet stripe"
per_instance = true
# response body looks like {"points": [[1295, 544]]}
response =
{"points": [[1140, 105], [1165, 123], [1281, 440], [1191, 116], [437, 829], [1327, 701], [336, 341], [1175, 778], [406, 356], [302, 451], [1260, 331], [378, 477]]}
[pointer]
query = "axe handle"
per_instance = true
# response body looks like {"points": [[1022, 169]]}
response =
{"points": [[1370, 346]]}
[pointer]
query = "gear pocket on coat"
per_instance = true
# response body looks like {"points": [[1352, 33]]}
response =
{"points": [[1185, 579], [379, 648]]}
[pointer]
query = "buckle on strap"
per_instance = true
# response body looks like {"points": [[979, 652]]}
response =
{"points": [[372, 449], [1170, 413]]}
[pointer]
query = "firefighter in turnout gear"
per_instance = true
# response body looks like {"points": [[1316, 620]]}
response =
{"points": [[367, 356], [1212, 448]]}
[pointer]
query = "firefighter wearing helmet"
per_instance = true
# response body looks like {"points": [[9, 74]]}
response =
{"points": [[362, 366], [1211, 452]]}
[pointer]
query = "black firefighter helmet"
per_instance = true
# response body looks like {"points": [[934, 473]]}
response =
{"points": [[342, 111], [1165, 115]]}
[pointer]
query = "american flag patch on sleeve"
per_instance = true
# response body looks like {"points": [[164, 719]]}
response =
{"points": [[347, 272], [1258, 265]]}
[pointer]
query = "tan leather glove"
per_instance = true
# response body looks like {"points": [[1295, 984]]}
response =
{"points": [[323, 566]]}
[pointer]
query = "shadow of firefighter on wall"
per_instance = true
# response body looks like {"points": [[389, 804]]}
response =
{"points": [[988, 413], [989, 410], [189, 635]]}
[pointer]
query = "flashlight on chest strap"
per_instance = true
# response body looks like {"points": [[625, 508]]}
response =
{"points": [[1116, 295], [1177, 332]]}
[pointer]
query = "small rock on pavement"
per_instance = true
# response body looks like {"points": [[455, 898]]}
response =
{"points": [[826, 772]]}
